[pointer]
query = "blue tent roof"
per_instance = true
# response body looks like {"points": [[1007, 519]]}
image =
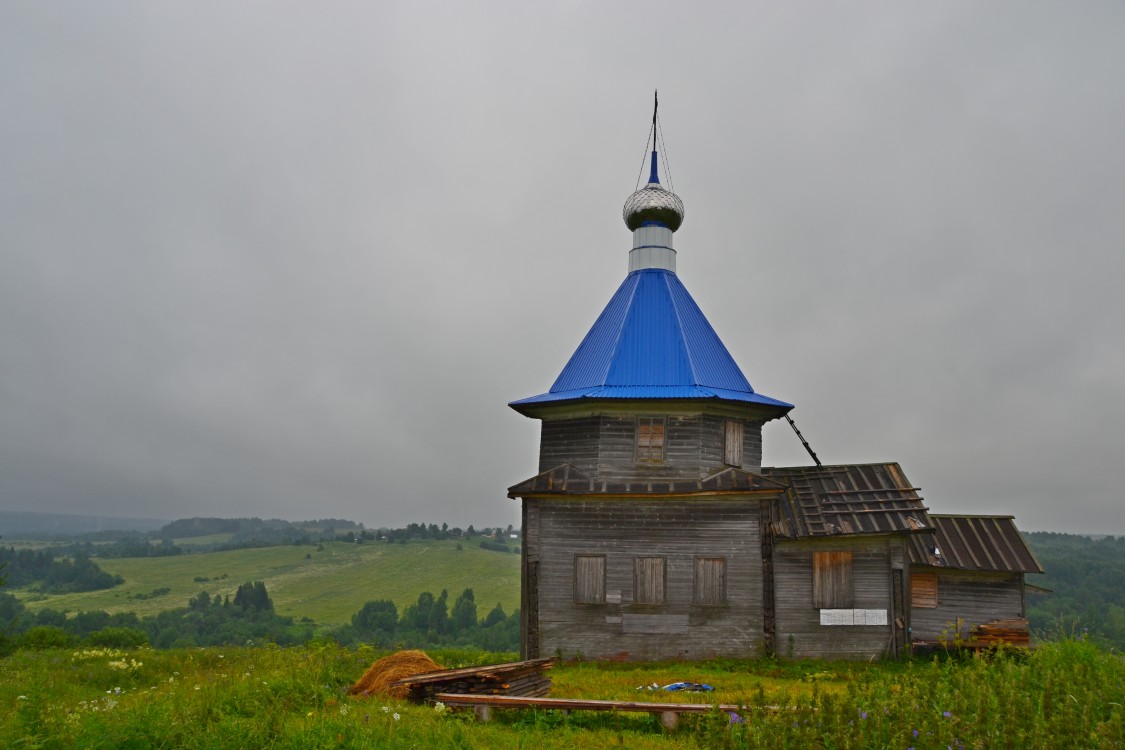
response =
{"points": [[651, 341]]}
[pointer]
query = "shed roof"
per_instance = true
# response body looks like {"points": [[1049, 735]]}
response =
{"points": [[985, 543], [651, 342], [848, 499]]}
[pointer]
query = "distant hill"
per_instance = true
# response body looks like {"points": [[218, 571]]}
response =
{"points": [[19, 524], [328, 582], [1086, 577]]}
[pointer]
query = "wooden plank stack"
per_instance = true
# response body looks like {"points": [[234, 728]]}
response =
{"points": [[1011, 632], [522, 678]]}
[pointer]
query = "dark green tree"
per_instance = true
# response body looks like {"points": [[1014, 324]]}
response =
{"points": [[464, 614], [438, 621], [417, 616], [253, 597], [376, 618]]}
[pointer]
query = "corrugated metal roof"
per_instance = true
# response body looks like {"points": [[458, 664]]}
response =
{"points": [[568, 480], [848, 499], [987, 543], [651, 341]]}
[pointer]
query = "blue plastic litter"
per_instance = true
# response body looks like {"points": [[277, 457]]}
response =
{"points": [[690, 687]]}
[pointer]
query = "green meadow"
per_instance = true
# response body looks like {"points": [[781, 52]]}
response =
{"points": [[1067, 694], [326, 584]]}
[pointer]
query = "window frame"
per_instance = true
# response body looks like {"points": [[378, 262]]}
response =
{"points": [[833, 581], [598, 589], [926, 595], [645, 447], [733, 432], [697, 593], [640, 571]]}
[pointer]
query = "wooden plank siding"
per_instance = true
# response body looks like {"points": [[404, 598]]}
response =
{"points": [[800, 633], [605, 446], [570, 441], [529, 579], [973, 596], [669, 534]]}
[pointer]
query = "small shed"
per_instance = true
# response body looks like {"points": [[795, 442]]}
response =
{"points": [[968, 571]]}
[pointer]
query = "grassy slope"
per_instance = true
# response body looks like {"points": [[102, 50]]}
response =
{"points": [[1065, 694], [328, 586]]}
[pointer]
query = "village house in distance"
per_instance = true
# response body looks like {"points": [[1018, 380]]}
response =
{"points": [[652, 531]]}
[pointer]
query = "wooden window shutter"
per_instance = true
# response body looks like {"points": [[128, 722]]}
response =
{"points": [[589, 579], [923, 590], [832, 580], [648, 580], [650, 439], [710, 580], [732, 454]]}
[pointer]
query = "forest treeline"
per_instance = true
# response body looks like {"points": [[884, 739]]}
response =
{"points": [[199, 534], [51, 572], [249, 618], [1086, 578]]}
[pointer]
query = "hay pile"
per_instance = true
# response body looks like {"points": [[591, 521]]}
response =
{"points": [[389, 669]]}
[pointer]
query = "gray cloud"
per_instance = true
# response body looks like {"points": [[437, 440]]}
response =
{"points": [[278, 259]]}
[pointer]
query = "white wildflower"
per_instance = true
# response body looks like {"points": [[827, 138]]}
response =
{"points": [[386, 710], [439, 707], [21, 697], [397, 717]]}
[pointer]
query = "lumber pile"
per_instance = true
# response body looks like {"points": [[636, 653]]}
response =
{"points": [[523, 678], [1011, 632]]}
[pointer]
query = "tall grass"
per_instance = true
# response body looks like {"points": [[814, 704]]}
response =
{"points": [[1066, 694]]}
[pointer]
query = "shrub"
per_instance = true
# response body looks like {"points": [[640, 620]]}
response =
{"points": [[45, 636], [118, 638]]}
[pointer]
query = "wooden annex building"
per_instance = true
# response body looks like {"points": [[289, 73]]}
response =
{"points": [[652, 531]]}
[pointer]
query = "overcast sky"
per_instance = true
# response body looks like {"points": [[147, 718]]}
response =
{"points": [[293, 259]]}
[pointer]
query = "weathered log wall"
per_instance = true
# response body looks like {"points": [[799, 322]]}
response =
{"points": [[604, 446], [974, 597], [800, 632], [680, 531]]}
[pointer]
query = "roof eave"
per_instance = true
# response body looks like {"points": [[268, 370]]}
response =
{"points": [[534, 408]]}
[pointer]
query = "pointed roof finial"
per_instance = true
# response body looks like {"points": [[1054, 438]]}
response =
{"points": [[654, 173], [652, 204]]}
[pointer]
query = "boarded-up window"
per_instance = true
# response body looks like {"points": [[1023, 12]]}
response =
{"points": [[710, 580], [832, 580], [923, 590], [648, 580], [589, 579], [732, 453], [650, 439]]}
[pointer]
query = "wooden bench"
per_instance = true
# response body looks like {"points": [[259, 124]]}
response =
{"points": [[669, 713]]}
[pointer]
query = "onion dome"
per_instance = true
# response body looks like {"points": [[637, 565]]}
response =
{"points": [[653, 205]]}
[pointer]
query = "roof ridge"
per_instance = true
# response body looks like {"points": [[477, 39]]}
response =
{"points": [[682, 340], [614, 350]]}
